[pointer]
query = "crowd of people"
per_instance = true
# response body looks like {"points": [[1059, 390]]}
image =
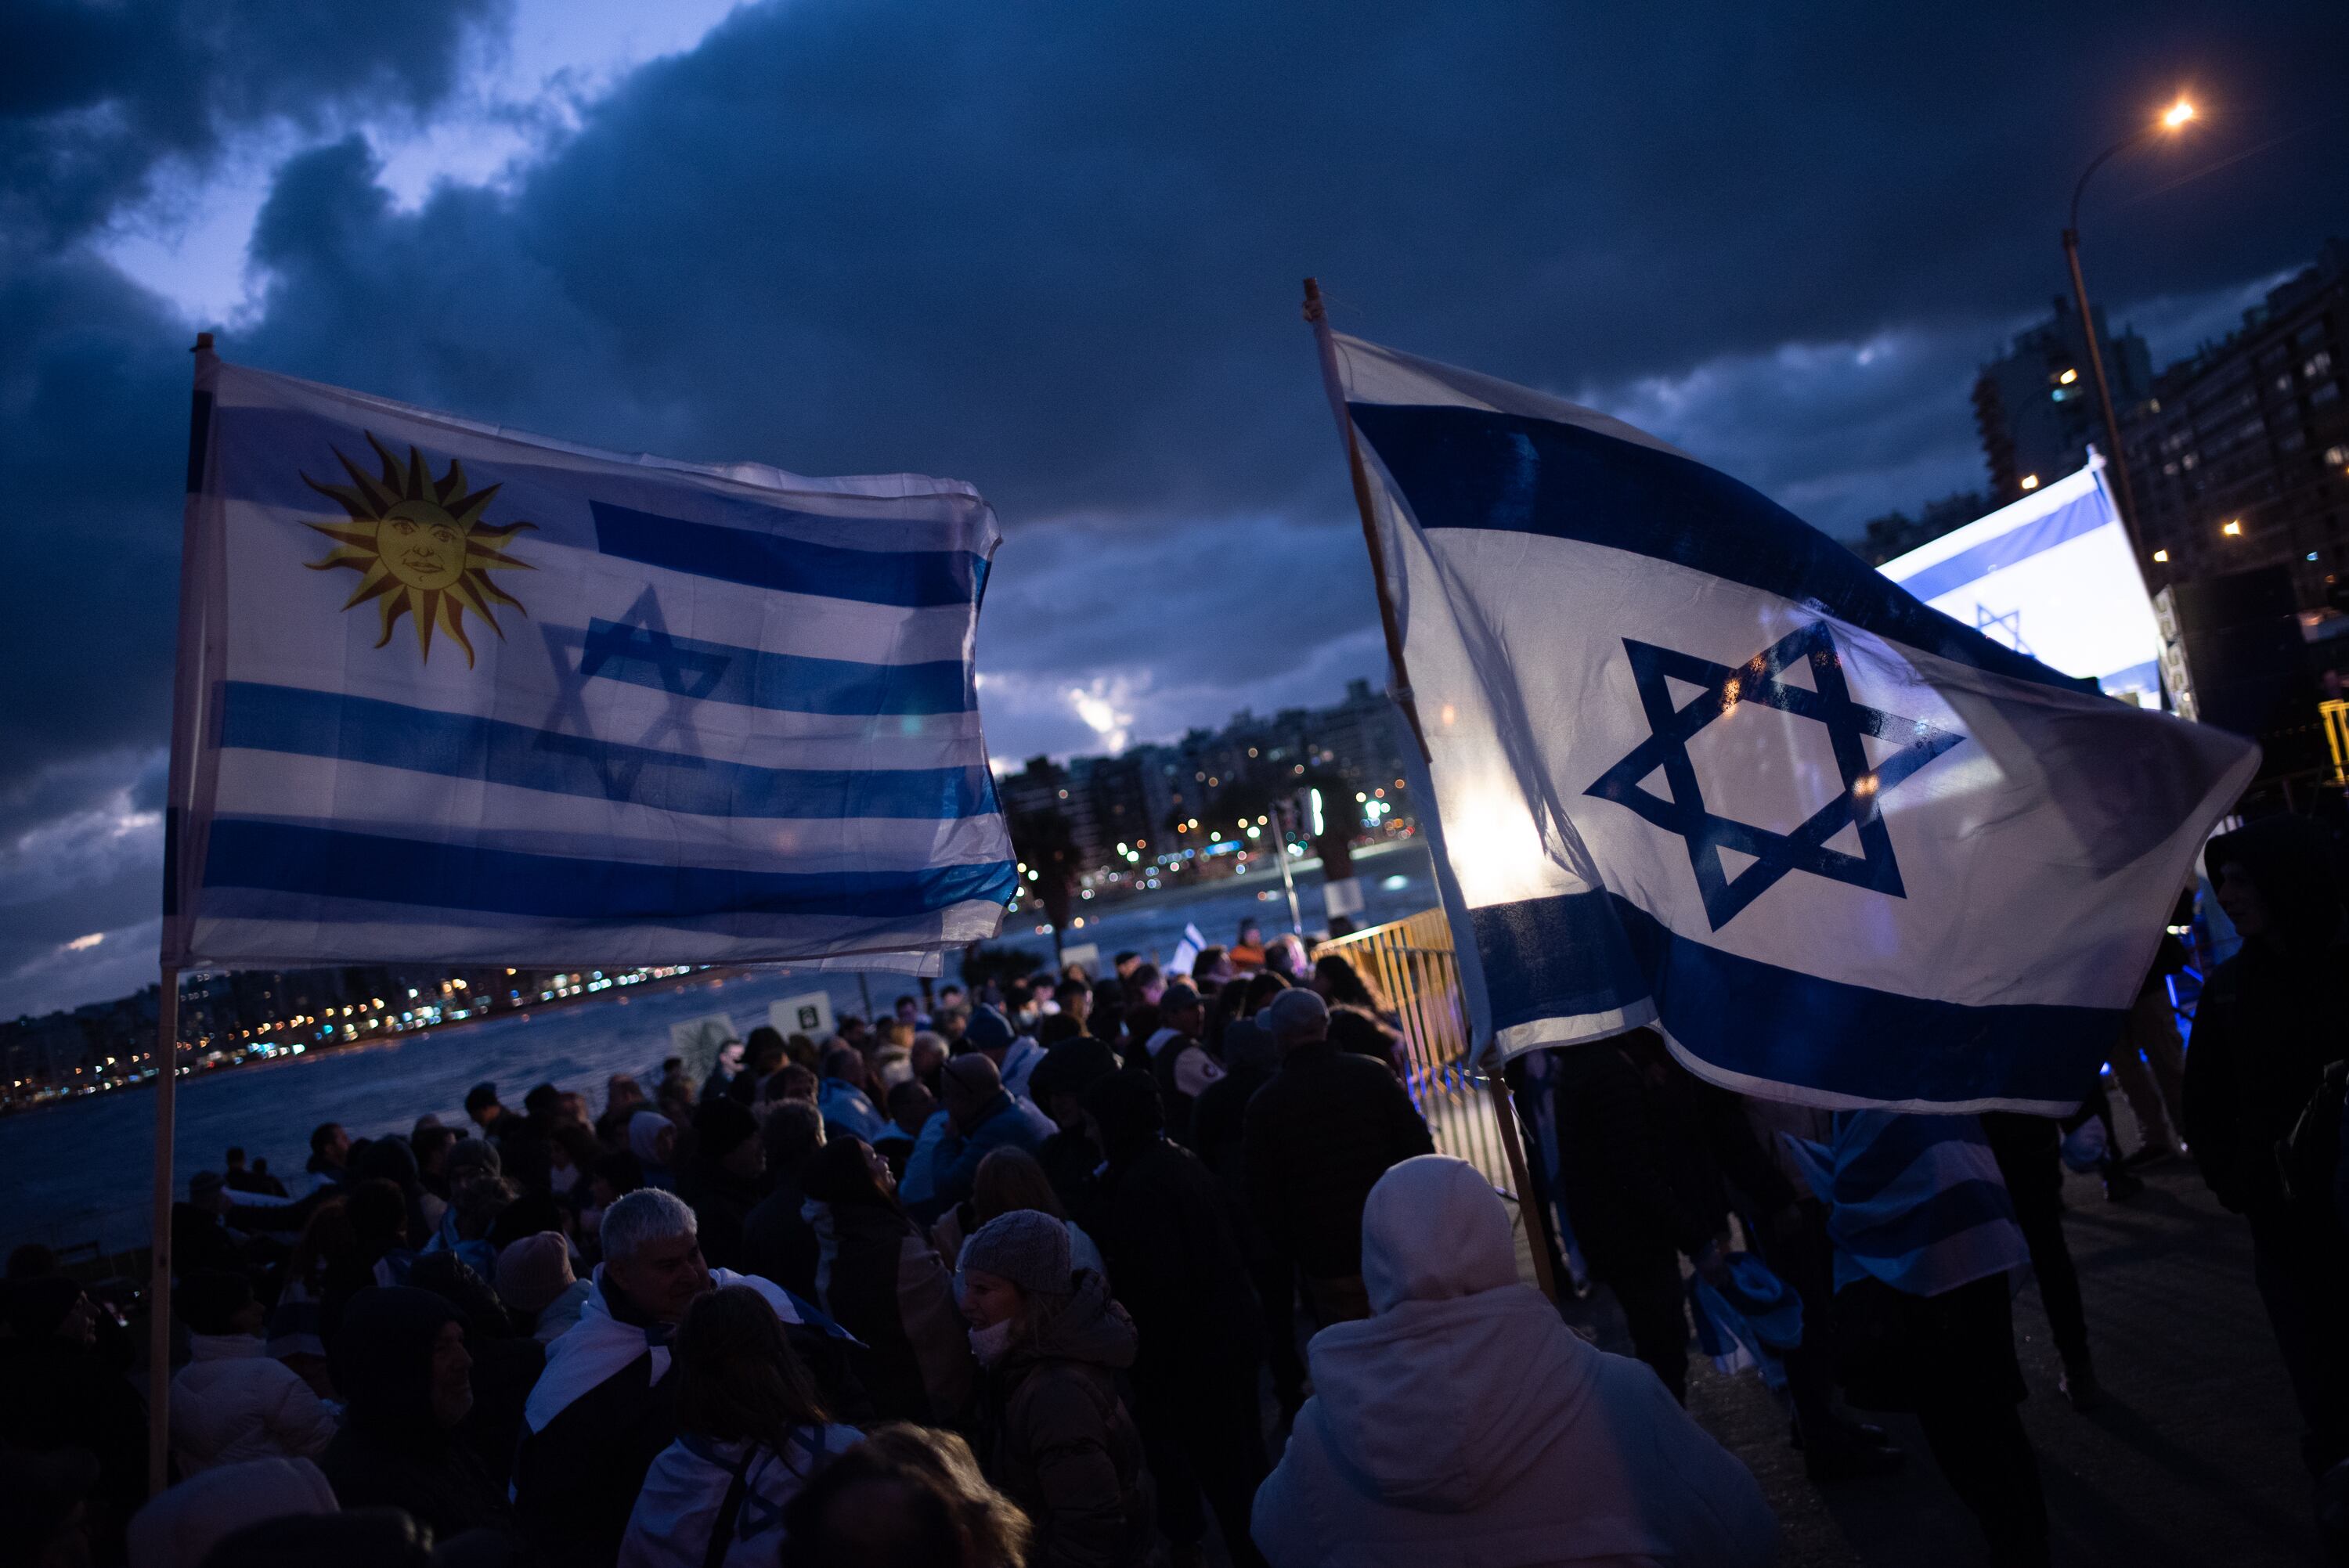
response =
{"points": [[1047, 1275]]}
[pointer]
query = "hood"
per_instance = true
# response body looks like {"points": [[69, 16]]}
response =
{"points": [[1091, 1327], [178, 1527], [1433, 1228], [382, 1359], [2295, 863], [1463, 1377], [644, 1128]]}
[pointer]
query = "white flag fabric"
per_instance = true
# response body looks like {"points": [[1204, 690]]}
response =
{"points": [[451, 694], [1695, 765], [2051, 576]]}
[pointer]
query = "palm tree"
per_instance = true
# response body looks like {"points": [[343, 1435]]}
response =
{"points": [[1047, 846]]}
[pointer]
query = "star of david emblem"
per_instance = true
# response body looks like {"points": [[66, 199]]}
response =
{"points": [[685, 674], [2010, 624], [1828, 701]]}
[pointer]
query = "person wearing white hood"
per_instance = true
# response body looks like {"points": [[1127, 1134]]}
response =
{"points": [[1463, 1421]]}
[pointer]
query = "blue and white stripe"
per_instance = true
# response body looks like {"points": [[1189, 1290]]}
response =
{"points": [[1531, 546], [1914, 1201], [736, 723]]}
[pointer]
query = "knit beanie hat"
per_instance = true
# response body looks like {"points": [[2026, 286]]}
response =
{"points": [[533, 1271], [988, 1030], [1028, 1248]]}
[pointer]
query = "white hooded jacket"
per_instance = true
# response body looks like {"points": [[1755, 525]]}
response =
{"points": [[1464, 1423], [231, 1403]]}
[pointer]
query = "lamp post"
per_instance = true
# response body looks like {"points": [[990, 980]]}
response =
{"points": [[2171, 119]]}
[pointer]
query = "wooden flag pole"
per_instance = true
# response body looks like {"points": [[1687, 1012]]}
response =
{"points": [[158, 1272], [1505, 1110]]}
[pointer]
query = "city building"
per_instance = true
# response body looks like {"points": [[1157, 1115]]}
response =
{"points": [[2239, 454], [2035, 405]]}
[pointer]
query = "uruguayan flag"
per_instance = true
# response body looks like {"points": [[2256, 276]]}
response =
{"points": [[451, 694], [1694, 764], [2052, 576]]}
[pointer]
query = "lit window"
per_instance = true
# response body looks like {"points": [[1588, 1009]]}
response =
{"points": [[2030, 481], [2233, 529], [2067, 377], [2161, 555]]}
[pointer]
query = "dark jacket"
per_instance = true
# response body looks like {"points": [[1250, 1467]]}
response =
{"points": [[57, 1394], [721, 1203], [1171, 1234], [1176, 1103], [1648, 1152], [1057, 1439], [953, 1163], [576, 1478], [1313, 1141], [1218, 1118], [392, 1452], [2270, 1019], [882, 1282], [778, 1242]]}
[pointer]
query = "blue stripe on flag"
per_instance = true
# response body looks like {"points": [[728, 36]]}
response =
{"points": [[754, 677], [283, 858], [911, 579], [1775, 1023], [1949, 1211], [2146, 676], [1560, 957], [2073, 519], [1470, 467], [303, 723]]}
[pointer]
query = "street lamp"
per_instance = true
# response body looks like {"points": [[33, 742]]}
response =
{"points": [[2171, 120]]}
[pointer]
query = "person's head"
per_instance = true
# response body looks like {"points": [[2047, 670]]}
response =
{"points": [[1259, 991], [1126, 963], [727, 1136], [950, 994], [991, 1032], [533, 1271], [849, 1173], [482, 1104], [891, 1033], [621, 1090], [792, 1132], [1433, 1228], [431, 1145], [672, 1067], [329, 1238], [207, 1191], [234, 1159], [1213, 965], [864, 1511], [652, 1138], [906, 1008], [844, 1062], [1251, 934], [1015, 1276], [571, 1108], [574, 1151], [378, 1211], [926, 1054], [994, 1531], [615, 1176], [536, 1209], [1010, 1178], [329, 1144], [951, 1023], [910, 1106], [1057, 1027], [1297, 1017], [738, 1379], [1124, 1114], [764, 1050], [1356, 1033], [472, 1160], [32, 1261], [851, 1029], [789, 1081], [1181, 1009], [1064, 1074], [1075, 997], [479, 1204], [652, 1253], [729, 1057], [53, 1307], [483, 1311], [216, 1302], [401, 1364], [1145, 984], [540, 1103], [968, 1086], [1285, 955], [1341, 984], [2279, 880]]}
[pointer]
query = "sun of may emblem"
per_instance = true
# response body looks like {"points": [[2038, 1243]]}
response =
{"points": [[418, 546]]}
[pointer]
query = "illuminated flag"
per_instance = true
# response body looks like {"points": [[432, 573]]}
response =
{"points": [[1696, 765], [2053, 576], [447, 694]]}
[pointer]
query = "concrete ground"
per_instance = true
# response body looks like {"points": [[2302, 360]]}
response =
{"points": [[2192, 1459]]}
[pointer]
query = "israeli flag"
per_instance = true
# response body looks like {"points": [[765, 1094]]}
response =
{"points": [[448, 694], [1695, 765]]}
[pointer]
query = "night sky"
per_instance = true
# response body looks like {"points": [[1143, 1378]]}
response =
{"points": [[1054, 249]]}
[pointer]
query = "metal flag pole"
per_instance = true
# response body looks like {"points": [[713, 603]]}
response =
{"points": [[1281, 814], [1504, 1110], [158, 1272]]}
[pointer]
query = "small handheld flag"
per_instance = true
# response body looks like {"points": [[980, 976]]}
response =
{"points": [[452, 693], [1695, 765]]}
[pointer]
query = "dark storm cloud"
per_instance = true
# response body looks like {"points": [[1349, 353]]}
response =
{"points": [[1055, 249], [93, 98]]}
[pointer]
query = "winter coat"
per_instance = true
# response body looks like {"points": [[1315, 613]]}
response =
{"points": [[847, 1111], [778, 1242], [392, 1451], [884, 1283], [1464, 1423], [1057, 1439], [1649, 1152], [722, 1201], [1313, 1141], [1001, 1123], [232, 1403], [1018, 1065], [685, 1494], [1172, 1235], [180, 1525]]}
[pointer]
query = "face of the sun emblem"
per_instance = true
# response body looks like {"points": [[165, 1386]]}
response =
{"points": [[421, 546]]}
